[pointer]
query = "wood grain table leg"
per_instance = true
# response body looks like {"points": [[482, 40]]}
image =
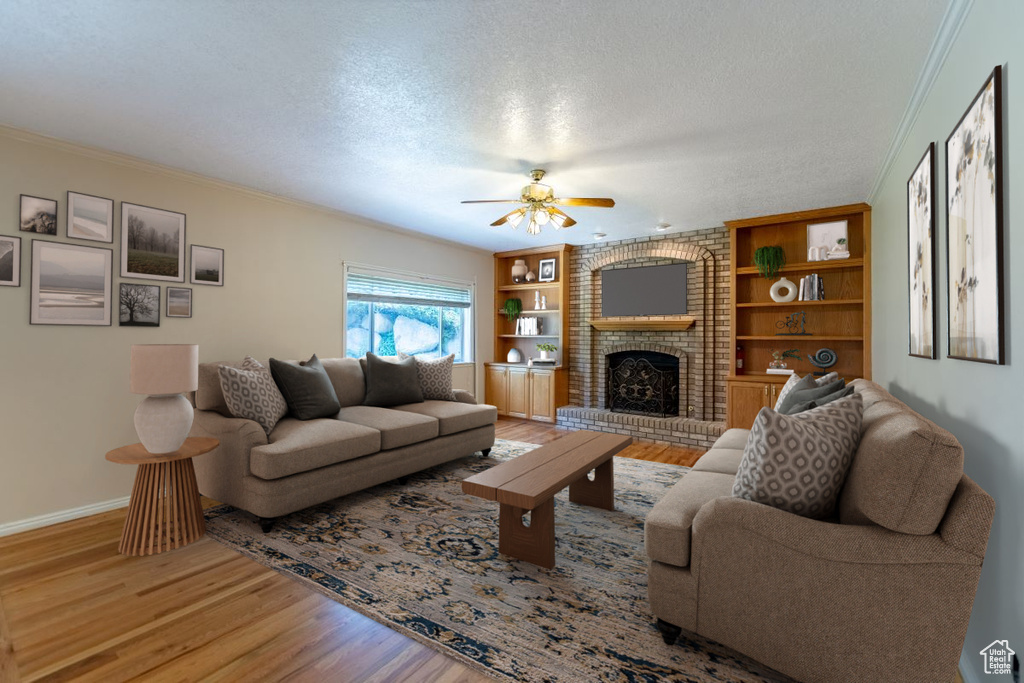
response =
{"points": [[165, 511], [599, 493], [534, 543]]}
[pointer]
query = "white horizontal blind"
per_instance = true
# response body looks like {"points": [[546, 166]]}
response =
{"points": [[393, 290]]}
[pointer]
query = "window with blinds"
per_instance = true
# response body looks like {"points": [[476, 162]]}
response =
{"points": [[388, 312]]}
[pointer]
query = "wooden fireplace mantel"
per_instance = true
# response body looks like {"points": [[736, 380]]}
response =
{"points": [[666, 322]]}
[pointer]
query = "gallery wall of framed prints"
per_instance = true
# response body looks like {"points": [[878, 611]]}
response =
{"points": [[71, 283]]}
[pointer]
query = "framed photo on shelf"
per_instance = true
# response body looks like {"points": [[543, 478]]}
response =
{"points": [[152, 243], [139, 305], [10, 261], [921, 251], [71, 284], [974, 228], [547, 270], [38, 215], [90, 218], [179, 302], [207, 266]]}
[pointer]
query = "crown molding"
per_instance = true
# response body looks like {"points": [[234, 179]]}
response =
{"points": [[949, 28], [33, 138]]}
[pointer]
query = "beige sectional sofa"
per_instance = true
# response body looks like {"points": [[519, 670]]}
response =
{"points": [[882, 593], [303, 463]]}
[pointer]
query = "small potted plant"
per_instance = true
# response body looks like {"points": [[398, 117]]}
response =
{"points": [[547, 351], [512, 308], [769, 261], [780, 358]]}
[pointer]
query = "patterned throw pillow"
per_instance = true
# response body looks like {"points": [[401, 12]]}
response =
{"points": [[435, 377], [250, 392], [799, 462]]}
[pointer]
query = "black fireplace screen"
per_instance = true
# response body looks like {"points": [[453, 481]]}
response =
{"points": [[643, 383]]}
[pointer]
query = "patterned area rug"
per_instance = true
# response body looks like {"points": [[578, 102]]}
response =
{"points": [[422, 558]]}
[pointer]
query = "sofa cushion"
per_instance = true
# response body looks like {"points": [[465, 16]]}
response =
{"points": [[801, 395], [209, 395], [798, 463], [397, 427], [733, 438], [347, 378], [454, 416], [667, 527], [391, 383], [721, 460], [302, 445], [435, 376], [306, 388], [795, 379], [905, 471], [251, 393], [824, 400]]}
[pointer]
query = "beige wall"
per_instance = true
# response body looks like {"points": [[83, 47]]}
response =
{"points": [[64, 397]]}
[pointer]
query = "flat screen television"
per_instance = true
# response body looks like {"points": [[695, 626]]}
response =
{"points": [[648, 290]]}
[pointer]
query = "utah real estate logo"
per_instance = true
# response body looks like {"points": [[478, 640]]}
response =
{"points": [[998, 657]]}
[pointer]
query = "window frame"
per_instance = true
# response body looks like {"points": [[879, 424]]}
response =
{"points": [[399, 274]]}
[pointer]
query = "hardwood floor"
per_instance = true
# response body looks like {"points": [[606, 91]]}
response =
{"points": [[71, 608]]}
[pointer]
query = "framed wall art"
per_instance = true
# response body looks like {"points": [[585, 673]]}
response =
{"points": [[974, 228], [547, 270], [207, 265], [90, 218], [139, 305], [71, 284], [38, 215], [10, 261], [179, 302], [152, 243], [921, 251]]}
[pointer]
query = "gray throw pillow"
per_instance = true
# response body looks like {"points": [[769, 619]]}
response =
{"points": [[306, 387], [801, 407], [391, 383], [799, 395], [250, 393], [435, 376], [795, 379], [799, 462]]}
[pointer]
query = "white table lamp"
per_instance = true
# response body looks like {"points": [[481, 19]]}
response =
{"points": [[164, 372]]}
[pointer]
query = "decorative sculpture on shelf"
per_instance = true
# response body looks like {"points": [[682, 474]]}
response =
{"points": [[793, 325], [823, 360]]}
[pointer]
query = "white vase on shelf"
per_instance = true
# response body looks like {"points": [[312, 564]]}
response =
{"points": [[786, 285], [519, 271]]}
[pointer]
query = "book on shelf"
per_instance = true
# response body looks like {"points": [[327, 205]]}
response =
{"points": [[812, 288]]}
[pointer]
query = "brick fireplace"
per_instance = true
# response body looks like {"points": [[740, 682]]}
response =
{"points": [[701, 352]]}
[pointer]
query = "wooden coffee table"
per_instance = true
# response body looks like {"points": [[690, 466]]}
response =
{"points": [[529, 483]]}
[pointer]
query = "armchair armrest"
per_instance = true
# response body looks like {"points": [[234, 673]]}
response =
{"points": [[463, 396]]}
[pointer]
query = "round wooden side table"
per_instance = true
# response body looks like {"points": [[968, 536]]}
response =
{"points": [[164, 511]]}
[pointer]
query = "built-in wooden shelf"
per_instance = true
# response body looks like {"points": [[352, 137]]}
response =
{"points": [[528, 336], [679, 322], [782, 337], [527, 285], [525, 312], [822, 302], [807, 266]]}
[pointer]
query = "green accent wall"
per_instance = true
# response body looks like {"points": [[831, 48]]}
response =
{"points": [[983, 405]]}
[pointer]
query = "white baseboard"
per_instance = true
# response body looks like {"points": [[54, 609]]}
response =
{"points": [[61, 516]]}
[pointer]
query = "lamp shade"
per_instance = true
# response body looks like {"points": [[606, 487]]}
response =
{"points": [[163, 369]]}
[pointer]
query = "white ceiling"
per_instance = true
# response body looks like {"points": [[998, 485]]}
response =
{"points": [[687, 112]]}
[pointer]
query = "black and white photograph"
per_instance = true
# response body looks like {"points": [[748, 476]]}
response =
{"points": [[10, 261], [139, 305], [152, 243], [921, 248], [974, 228], [38, 215], [90, 218], [71, 284], [207, 265], [179, 302], [547, 270]]}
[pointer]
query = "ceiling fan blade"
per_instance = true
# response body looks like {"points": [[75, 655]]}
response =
{"points": [[504, 219], [492, 201], [585, 201], [567, 223]]}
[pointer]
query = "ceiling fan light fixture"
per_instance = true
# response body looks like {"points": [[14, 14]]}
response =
{"points": [[541, 215], [558, 220], [533, 228], [516, 218]]}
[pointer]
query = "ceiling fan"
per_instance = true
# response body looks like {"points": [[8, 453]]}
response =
{"points": [[539, 200]]}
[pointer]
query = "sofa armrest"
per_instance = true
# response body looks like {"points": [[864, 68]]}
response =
{"points": [[819, 539], [463, 396], [221, 471]]}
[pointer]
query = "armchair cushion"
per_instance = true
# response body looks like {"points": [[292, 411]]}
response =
{"points": [[799, 462], [667, 529]]}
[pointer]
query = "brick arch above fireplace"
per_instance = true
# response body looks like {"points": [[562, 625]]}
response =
{"points": [[648, 250]]}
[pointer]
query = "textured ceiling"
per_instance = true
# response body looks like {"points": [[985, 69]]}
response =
{"points": [[685, 112]]}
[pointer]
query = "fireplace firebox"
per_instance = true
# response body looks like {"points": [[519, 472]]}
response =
{"points": [[643, 383]]}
